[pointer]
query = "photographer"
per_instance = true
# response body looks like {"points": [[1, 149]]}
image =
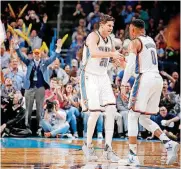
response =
{"points": [[8, 88], [13, 115], [54, 121]]}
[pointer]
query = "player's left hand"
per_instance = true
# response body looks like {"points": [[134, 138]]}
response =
{"points": [[117, 62]]}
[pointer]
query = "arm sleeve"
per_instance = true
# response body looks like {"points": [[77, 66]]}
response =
{"points": [[129, 68]]}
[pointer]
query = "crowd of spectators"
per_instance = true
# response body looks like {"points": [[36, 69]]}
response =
{"points": [[60, 114]]}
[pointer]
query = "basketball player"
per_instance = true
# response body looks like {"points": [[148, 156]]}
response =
{"points": [[96, 91], [146, 92]]}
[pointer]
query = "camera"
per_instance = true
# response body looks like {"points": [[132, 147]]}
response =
{"points": [[50, 105], [7, 101]]}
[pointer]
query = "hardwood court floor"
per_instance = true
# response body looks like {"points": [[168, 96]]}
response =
{"points": [[43, 153]]}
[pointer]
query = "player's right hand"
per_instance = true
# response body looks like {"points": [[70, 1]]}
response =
{"points": [[116, 55]]}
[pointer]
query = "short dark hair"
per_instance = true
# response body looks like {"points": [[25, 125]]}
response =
{"points": [[105, 18], [139, 23]]}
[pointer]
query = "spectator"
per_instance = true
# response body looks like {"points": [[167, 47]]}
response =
{"points": [[160, 120], [79, 30], [122, 107], [36, 42], [176, 85], [21, 66], [79, 12], [34, 19], [160, 38], [160, 51], [127, 14], [13, 24], [143, 14], [93, 17], [119, 19], [55, 70], [167, 98], [73, 99], [151, 28], [5, 58], [67, 70], [74, 47], [175, 119], [171, 80], [87, 6], [74, 68], [20, 23], [15, 74], [155, 11], [12, 118], [55, 92], [7, 89], [71, 105], [54, 121], [36, 80], [120, 34]]}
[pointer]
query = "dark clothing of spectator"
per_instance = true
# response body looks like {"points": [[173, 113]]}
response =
{"points": [[87, 6], [158, 119], [168, 103]]}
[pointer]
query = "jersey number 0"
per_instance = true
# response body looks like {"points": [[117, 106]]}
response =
{"points": [[153, 57]]}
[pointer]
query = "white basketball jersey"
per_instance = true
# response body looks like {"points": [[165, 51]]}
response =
{"points": [[97, 66], [147, 61]]}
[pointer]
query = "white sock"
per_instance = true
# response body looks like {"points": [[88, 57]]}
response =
{"points": [[133, 148], [164, 138], [109, 124], [91, 126], [108, 138]]}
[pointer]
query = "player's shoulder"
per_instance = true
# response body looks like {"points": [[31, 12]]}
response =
{"points": [[93, 36], [136, 44]]}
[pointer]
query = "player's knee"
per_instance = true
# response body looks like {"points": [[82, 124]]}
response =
{"points": [[133, 115], [147, 123], [133, 123]]}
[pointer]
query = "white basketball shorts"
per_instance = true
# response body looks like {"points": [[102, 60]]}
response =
{"points": [[96, 92], [146, 92]]}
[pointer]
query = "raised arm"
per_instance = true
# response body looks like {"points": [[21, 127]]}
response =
{"points": [[173, 81], [15, 45], [56, 54]]}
